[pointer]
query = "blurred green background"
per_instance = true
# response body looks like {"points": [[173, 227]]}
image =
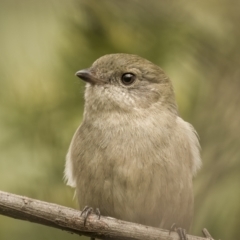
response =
{"points": [[43, 43]]}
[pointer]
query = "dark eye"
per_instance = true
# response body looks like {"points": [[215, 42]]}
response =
{"points": [[128, 78]]}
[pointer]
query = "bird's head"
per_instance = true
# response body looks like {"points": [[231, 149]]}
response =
{"points": [[124, 82]]}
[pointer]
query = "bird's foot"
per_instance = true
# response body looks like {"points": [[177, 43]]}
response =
{"points": [[180, 231], [87, 211], [207, 234]]}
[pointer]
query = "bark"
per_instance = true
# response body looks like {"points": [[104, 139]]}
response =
{"points": [[70, 220]]}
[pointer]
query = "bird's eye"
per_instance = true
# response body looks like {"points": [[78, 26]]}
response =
{"points": [[128, 78]]}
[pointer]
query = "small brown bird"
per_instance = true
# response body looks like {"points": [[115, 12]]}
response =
{"points": [[133, 157]]}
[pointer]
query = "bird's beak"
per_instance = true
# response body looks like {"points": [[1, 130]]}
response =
{"points": [[87, 76]]}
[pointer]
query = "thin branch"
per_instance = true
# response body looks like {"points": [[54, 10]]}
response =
{"points": [[69, 219]]}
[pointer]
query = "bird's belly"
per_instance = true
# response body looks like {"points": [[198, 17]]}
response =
{"points": [[142, 193]]}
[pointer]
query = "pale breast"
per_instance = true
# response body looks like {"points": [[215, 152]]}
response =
{"points": [[133, 175]]}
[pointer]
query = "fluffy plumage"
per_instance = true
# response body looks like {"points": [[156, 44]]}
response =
{"points": [[133, 156]]}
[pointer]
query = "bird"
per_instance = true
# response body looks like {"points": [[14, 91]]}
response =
{"points": [[133, 157]]}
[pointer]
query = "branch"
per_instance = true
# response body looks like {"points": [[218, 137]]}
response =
{"points": [[69, 219]]}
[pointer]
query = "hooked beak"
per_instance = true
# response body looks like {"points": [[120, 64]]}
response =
{"points": [[87, 76]]}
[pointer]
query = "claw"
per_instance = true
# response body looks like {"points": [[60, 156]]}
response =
{"points": [[98, 213], [180, 231], [84, 210], [207, 234], [172, 228], [87, 211]]}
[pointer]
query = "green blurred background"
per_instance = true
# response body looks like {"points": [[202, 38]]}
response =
{"points": [[43, 43]]}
